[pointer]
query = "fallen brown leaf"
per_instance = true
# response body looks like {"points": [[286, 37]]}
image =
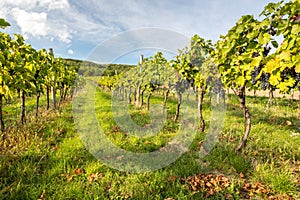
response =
{"points": [[71, 178], [242, 175], [288, 123], [42, 195], [209, 184], [148, 142], [78, 171], [95, 177]]}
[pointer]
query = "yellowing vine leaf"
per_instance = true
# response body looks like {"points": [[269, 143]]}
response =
{"points": [[240, 80], [256, 61], [296, 29], [297, 67], [264, 38], [2, 90], [285, 55], [274, 80], [271, 65]]}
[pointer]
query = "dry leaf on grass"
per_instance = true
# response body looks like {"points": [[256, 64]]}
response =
{"points": [[78, 171], [253, 189], [288, 123], [42, 195], [207, 183], [71, 178], [95, 177]]}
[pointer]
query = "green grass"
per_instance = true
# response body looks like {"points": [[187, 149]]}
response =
{"points": [[44, 156], [279, 178]]}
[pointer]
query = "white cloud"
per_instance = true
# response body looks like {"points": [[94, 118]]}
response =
{"points": [[36, 18], [207, 18], [58, 20], [88, 23], [28, 4], [3, 12], [37, 25], [55, 4], [31, 22], [60, 31], [36, 4], [70, 51]]}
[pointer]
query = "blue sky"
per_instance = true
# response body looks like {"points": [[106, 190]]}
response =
{"points": [[73, 28]]}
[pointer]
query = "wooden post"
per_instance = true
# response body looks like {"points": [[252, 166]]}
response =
{"points": [[141, 62], [53, 87], [138, 89], [299, 103], [242, 98], [23, 107]]}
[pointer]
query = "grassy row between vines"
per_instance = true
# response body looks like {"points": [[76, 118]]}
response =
{"points": [[45, 159]]}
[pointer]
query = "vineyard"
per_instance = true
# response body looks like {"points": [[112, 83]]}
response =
{"points": [[243, 91]]}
